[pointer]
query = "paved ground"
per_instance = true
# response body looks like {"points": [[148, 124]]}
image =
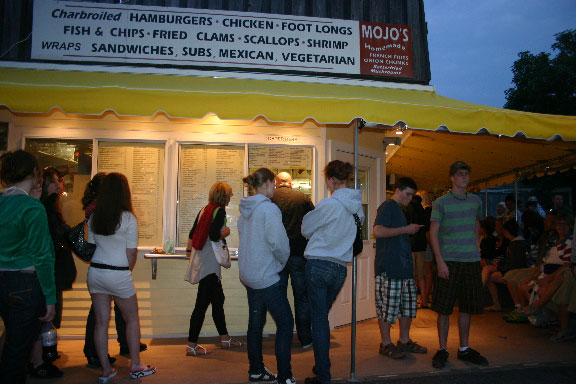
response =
{"points": [[518, 353]]}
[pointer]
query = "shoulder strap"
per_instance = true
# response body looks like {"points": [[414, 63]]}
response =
{"points": [[214, 213]]}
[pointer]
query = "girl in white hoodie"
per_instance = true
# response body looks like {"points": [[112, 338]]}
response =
{"points": [[262, 254], [331, 230]]}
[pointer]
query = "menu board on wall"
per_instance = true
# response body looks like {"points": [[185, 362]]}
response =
{"points": [[295, 160], [143, 166], [200, 167]]}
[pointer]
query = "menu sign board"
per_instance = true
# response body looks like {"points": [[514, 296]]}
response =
{"points": [[200, 167], [83, 31], [143, 166]]}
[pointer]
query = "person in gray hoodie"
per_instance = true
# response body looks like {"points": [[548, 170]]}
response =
{"points": [[331, 230], [263, 252]]}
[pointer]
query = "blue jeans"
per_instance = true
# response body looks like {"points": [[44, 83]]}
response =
{"points": [[324, 280], [273, 299], [21, 303], [296, 269]]}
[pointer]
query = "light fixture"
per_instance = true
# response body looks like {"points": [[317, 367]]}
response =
{"points": [[391, 141], [399, 127]]}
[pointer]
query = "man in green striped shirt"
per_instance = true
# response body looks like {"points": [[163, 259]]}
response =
{"points": [[453, 232]]}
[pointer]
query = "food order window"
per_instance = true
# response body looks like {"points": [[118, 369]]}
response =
{"points": [[147, 166]]}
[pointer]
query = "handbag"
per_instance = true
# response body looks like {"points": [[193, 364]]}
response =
{"points": [[221, 252], [358, 245], [78, 243]]}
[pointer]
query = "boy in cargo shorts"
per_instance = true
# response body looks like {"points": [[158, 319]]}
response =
{"points": [[396, 293], [453, 232]]}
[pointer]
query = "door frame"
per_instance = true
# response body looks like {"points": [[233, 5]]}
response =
{"points": [[334, 147]]}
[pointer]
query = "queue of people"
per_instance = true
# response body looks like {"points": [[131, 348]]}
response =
{"points": [[282, 235]]}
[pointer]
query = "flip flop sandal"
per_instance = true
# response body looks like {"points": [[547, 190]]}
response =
{"points": [[230, 343], [149, 370], [105, 379], [194, 351]]}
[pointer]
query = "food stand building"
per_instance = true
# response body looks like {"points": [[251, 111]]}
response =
{"points": [[179, 97]]}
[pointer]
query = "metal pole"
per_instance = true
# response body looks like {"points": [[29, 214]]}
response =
{"points": [[486, 200], [516, 197], [354, 268]]}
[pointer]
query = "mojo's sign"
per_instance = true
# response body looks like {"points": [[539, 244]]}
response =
{"points": [[82, 31]]}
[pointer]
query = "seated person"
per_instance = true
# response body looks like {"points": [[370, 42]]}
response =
{"points": [[516, 257], [501, 209], [487, 241], [564, 299], [501, 240], [533, 225], [517, 277], [541, 289]]}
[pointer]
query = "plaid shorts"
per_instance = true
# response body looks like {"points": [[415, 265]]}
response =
{"points": [[464, 283], [395, 298]]}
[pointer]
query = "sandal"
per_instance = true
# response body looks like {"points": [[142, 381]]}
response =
{"points": [[193, 351], [230, 343], [562, 336], [411, 347], [391, 351], [149, 370], [105, 379]]}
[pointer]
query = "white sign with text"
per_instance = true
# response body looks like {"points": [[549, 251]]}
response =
{"points": [[82, 31]]}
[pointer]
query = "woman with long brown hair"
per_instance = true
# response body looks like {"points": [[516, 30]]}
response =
{"points": [[114, 230]]}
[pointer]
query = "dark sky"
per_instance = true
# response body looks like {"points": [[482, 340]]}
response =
{"points": [[474, 43]]}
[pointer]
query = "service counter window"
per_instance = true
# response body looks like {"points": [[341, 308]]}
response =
{"points": [[296, 160], [73, 159], [143, 165], [200, 167]]}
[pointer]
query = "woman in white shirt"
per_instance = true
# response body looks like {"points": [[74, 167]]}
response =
{"points": [[114, 230]]}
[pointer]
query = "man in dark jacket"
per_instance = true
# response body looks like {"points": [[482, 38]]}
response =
{"points": [[415, 214], [294, 205]]}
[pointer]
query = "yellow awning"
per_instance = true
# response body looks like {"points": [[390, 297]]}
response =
{"points": [[93, 93]]}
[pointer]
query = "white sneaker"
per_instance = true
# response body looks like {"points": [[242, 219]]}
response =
{"points": [[307, 346], [264, 377], [288, 381]]}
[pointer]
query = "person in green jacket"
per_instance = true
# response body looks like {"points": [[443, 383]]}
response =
{"points": [[27, 289]]}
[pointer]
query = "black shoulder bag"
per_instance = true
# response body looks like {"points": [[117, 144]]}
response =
{"points": [[358, 242], [78, 244]]}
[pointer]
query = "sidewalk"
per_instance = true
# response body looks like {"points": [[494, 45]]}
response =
{"points": [[504, 345]]}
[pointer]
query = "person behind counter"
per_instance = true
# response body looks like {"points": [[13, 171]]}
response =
{"points": [[204, 269], [26, 264], [114, 230], [262, 255], [330, 230]]}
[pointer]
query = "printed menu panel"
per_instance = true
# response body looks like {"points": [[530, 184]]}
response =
{"points": [[295, 160], [143, 166], [200, 167]]}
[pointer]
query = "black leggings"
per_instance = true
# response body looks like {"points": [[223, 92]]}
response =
{"points": [[209, 292]]}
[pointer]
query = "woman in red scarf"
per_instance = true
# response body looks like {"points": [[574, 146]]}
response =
{"points": [[204, 270]]}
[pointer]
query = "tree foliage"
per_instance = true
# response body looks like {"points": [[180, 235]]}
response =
{"points": [[546, 84]]}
